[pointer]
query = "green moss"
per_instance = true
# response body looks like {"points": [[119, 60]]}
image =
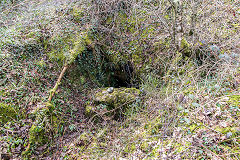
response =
{"points": [[155, 152], [154, 127], [38, 129], [180, 147], [55, 123], [235, 100], [7, 112], [83, 140], [41, 64], [79, 47], [119, 98], [186, 47], [82, 80], [189, 90], [184, 44], [32, 34], [77, 14], [37, 135], [136, 48], [130, 148], [45, 124], [88, 110], [66, 49], [144, 146], [109, 20], [194, 127], [226, 130]]}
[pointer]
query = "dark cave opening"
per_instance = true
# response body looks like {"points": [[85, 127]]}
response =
{"points": [[104, 72]]}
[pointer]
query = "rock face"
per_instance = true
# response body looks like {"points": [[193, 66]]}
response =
{"points": [[108, 102]]}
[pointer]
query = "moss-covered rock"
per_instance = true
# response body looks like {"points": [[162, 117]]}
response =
{"points": [[45, 124], [37, 132], [66, 49], [108, 101], [116, 96], [37, 135], [7, 112]]}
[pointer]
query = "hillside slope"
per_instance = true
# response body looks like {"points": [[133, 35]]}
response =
{"points": [[143, 80]]}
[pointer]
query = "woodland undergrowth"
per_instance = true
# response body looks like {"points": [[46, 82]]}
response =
{"points": [[182, 56]]}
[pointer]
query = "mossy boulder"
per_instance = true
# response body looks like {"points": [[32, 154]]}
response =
{"points": [[45, 125], [45, 122], [66, 49], [7, 112], [37, 135], [109, 101], [38, 131], [116, 96]]}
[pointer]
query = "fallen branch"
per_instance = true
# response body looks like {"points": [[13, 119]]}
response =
{"points": [[53, 91]]}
